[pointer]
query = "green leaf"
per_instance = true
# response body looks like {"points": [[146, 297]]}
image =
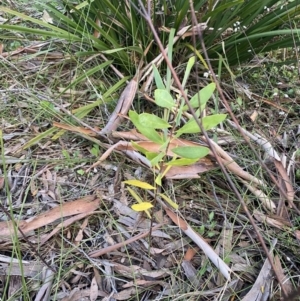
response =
{"points": [[140, 184], [203, 96], [139, 148], [135, 195], [189, 66], [150, 133], [158, 179], [158, 80], [142, 206], [191, 127], [169, 201], [191, 152], [163, 98], [95, 151], [182, 162], [153, 121], [208, 122], [157, 159], [81, 172], [150, 156]]}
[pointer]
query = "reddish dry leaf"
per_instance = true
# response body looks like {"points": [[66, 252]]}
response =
{"points": [[190, 253], [177, 220], [76, 129], [191, 171], [86, 204], [283, 279], [1, 182]]}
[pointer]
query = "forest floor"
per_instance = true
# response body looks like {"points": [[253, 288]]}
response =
{"points": [[80, 239]]}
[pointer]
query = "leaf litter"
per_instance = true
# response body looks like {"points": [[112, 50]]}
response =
{"points": [[117, 260]]}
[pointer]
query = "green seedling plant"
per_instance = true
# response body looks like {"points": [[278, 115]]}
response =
{"points": [[164, 132], [210, 227]]}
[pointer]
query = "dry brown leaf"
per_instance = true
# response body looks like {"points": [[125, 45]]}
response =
{"points": [[45, 289], [79, 235], [31, 269], [226, 238], [145, 283], [122, 107], [261, 217], [190, 253], [267, 203], [135, 271], [191, 171], [76, 129], [63, 225], [125, 294], [254, 115], [94, 290], [283, 279], [286, 180], [191, 273], [86, 204], [262, 284]]}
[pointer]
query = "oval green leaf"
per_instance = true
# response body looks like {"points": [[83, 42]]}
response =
{"points": [[213, 120], [191, 152], [191, 127], [164, 99], [208, 122], [150, 133], [152, 121]]}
